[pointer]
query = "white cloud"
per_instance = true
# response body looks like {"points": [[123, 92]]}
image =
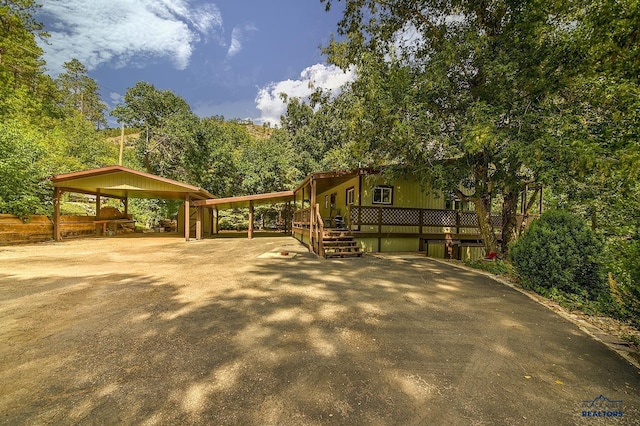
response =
{"points": [[316, 76], [126, 32], [238, 35]]}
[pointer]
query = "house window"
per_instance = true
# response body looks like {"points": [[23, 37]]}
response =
{"points": [[351, 195], [383, 195]]}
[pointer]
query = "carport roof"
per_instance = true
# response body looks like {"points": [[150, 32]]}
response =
{"points": [[245, 200], [123, 182]]}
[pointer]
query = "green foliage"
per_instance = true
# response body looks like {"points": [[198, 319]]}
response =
{"points": [[21, 172], [151, 211], [624, 278], [80, 93], [497, 267], [210, 159], [169, 128], [560, 253], [266, 166]]}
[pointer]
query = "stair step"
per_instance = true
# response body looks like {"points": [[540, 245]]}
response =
{"points": [[336, 234], [343, 254], [331, 237], [339, 243], [341, 249]]}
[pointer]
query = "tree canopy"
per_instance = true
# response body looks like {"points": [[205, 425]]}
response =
{"points": [[484, 99]]}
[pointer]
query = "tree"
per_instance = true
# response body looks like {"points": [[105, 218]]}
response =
{"points": [[453, 91], [211, 159], [168, 124], [80, 93], [26, 93], [266, 165], [21, 171]]}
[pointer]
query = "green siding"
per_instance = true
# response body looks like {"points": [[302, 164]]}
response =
{"points": [[405, 194], [400, 244], [341, 198], [123, 180]]}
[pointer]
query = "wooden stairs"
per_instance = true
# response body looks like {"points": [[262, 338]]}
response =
{"points": [[340, 243]]}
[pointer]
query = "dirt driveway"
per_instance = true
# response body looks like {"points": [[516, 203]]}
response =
{"points": [[160, 331]]}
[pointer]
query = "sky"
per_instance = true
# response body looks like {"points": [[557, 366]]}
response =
{"points": [[224, 57]]}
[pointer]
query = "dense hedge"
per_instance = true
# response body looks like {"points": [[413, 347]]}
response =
{"points": [[624, 278], [560, 253]]}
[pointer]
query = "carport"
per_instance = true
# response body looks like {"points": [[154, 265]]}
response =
{"points": [[245, 201], [122, 183]]}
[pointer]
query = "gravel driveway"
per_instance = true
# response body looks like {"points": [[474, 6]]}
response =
{"points": [[155, 330]]}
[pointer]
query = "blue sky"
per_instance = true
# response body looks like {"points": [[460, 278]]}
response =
{"points": [[224, 57]]}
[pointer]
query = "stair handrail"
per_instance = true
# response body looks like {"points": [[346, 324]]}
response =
{"points": [[319, 229]]}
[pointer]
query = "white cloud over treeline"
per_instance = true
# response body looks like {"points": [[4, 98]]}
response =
{"points": [[328, 77]]}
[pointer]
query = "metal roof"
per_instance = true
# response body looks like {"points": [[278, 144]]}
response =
{"points": [[244, 200], [123, 182]]}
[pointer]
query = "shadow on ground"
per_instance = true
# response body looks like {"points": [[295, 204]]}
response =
{"points": [[295, 341]]}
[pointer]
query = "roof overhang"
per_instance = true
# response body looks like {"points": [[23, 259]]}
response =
{"points": [[330, 179], [122, 182], [244, 201]]}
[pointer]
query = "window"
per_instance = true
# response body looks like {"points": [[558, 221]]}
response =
{"points": [[351, 194], [383, 195]]}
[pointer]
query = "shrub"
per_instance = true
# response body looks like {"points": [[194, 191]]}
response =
{"points": [[559, 252], [624, 278]]}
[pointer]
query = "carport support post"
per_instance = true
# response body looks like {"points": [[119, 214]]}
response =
{"points": [[198, 222], [186, 218], [98, 204], [57, 194], [250, 232], [217, 221]]}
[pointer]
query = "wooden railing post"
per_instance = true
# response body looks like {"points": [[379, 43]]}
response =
{"points": [[319, 231]]}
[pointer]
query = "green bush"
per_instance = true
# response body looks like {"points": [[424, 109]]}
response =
{"points": [[624, 278], [21, 177], [560, 253]]}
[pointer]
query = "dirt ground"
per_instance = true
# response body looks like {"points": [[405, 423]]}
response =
{"points": [[154, 330]]}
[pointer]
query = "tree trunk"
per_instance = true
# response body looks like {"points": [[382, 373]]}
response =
{"points": [[509, 222], [484, 222]]}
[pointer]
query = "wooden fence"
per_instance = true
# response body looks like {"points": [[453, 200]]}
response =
{"points": [[37, 228]]}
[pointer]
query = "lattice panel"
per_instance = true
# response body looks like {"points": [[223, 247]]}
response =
{"points": [[369, 215], [496, 220], [391, 216], [353, 215], [439, 217], [468, 219]]}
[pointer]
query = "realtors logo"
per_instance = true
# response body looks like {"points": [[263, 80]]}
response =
{"points": [[601, 406]]}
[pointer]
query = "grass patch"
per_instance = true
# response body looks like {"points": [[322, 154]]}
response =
{"points": [[497, 267]]}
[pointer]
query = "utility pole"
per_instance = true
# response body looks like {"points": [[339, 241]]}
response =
{"points": [[121, 145]]}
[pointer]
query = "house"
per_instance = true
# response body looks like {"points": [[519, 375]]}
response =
{"points": [[335, 213], [347, 213], [362, 211]]}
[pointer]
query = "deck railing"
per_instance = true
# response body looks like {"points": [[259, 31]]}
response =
{"points": [[376, 221], [359, 216], [314, 229], [402, 216], [301, 218]]}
